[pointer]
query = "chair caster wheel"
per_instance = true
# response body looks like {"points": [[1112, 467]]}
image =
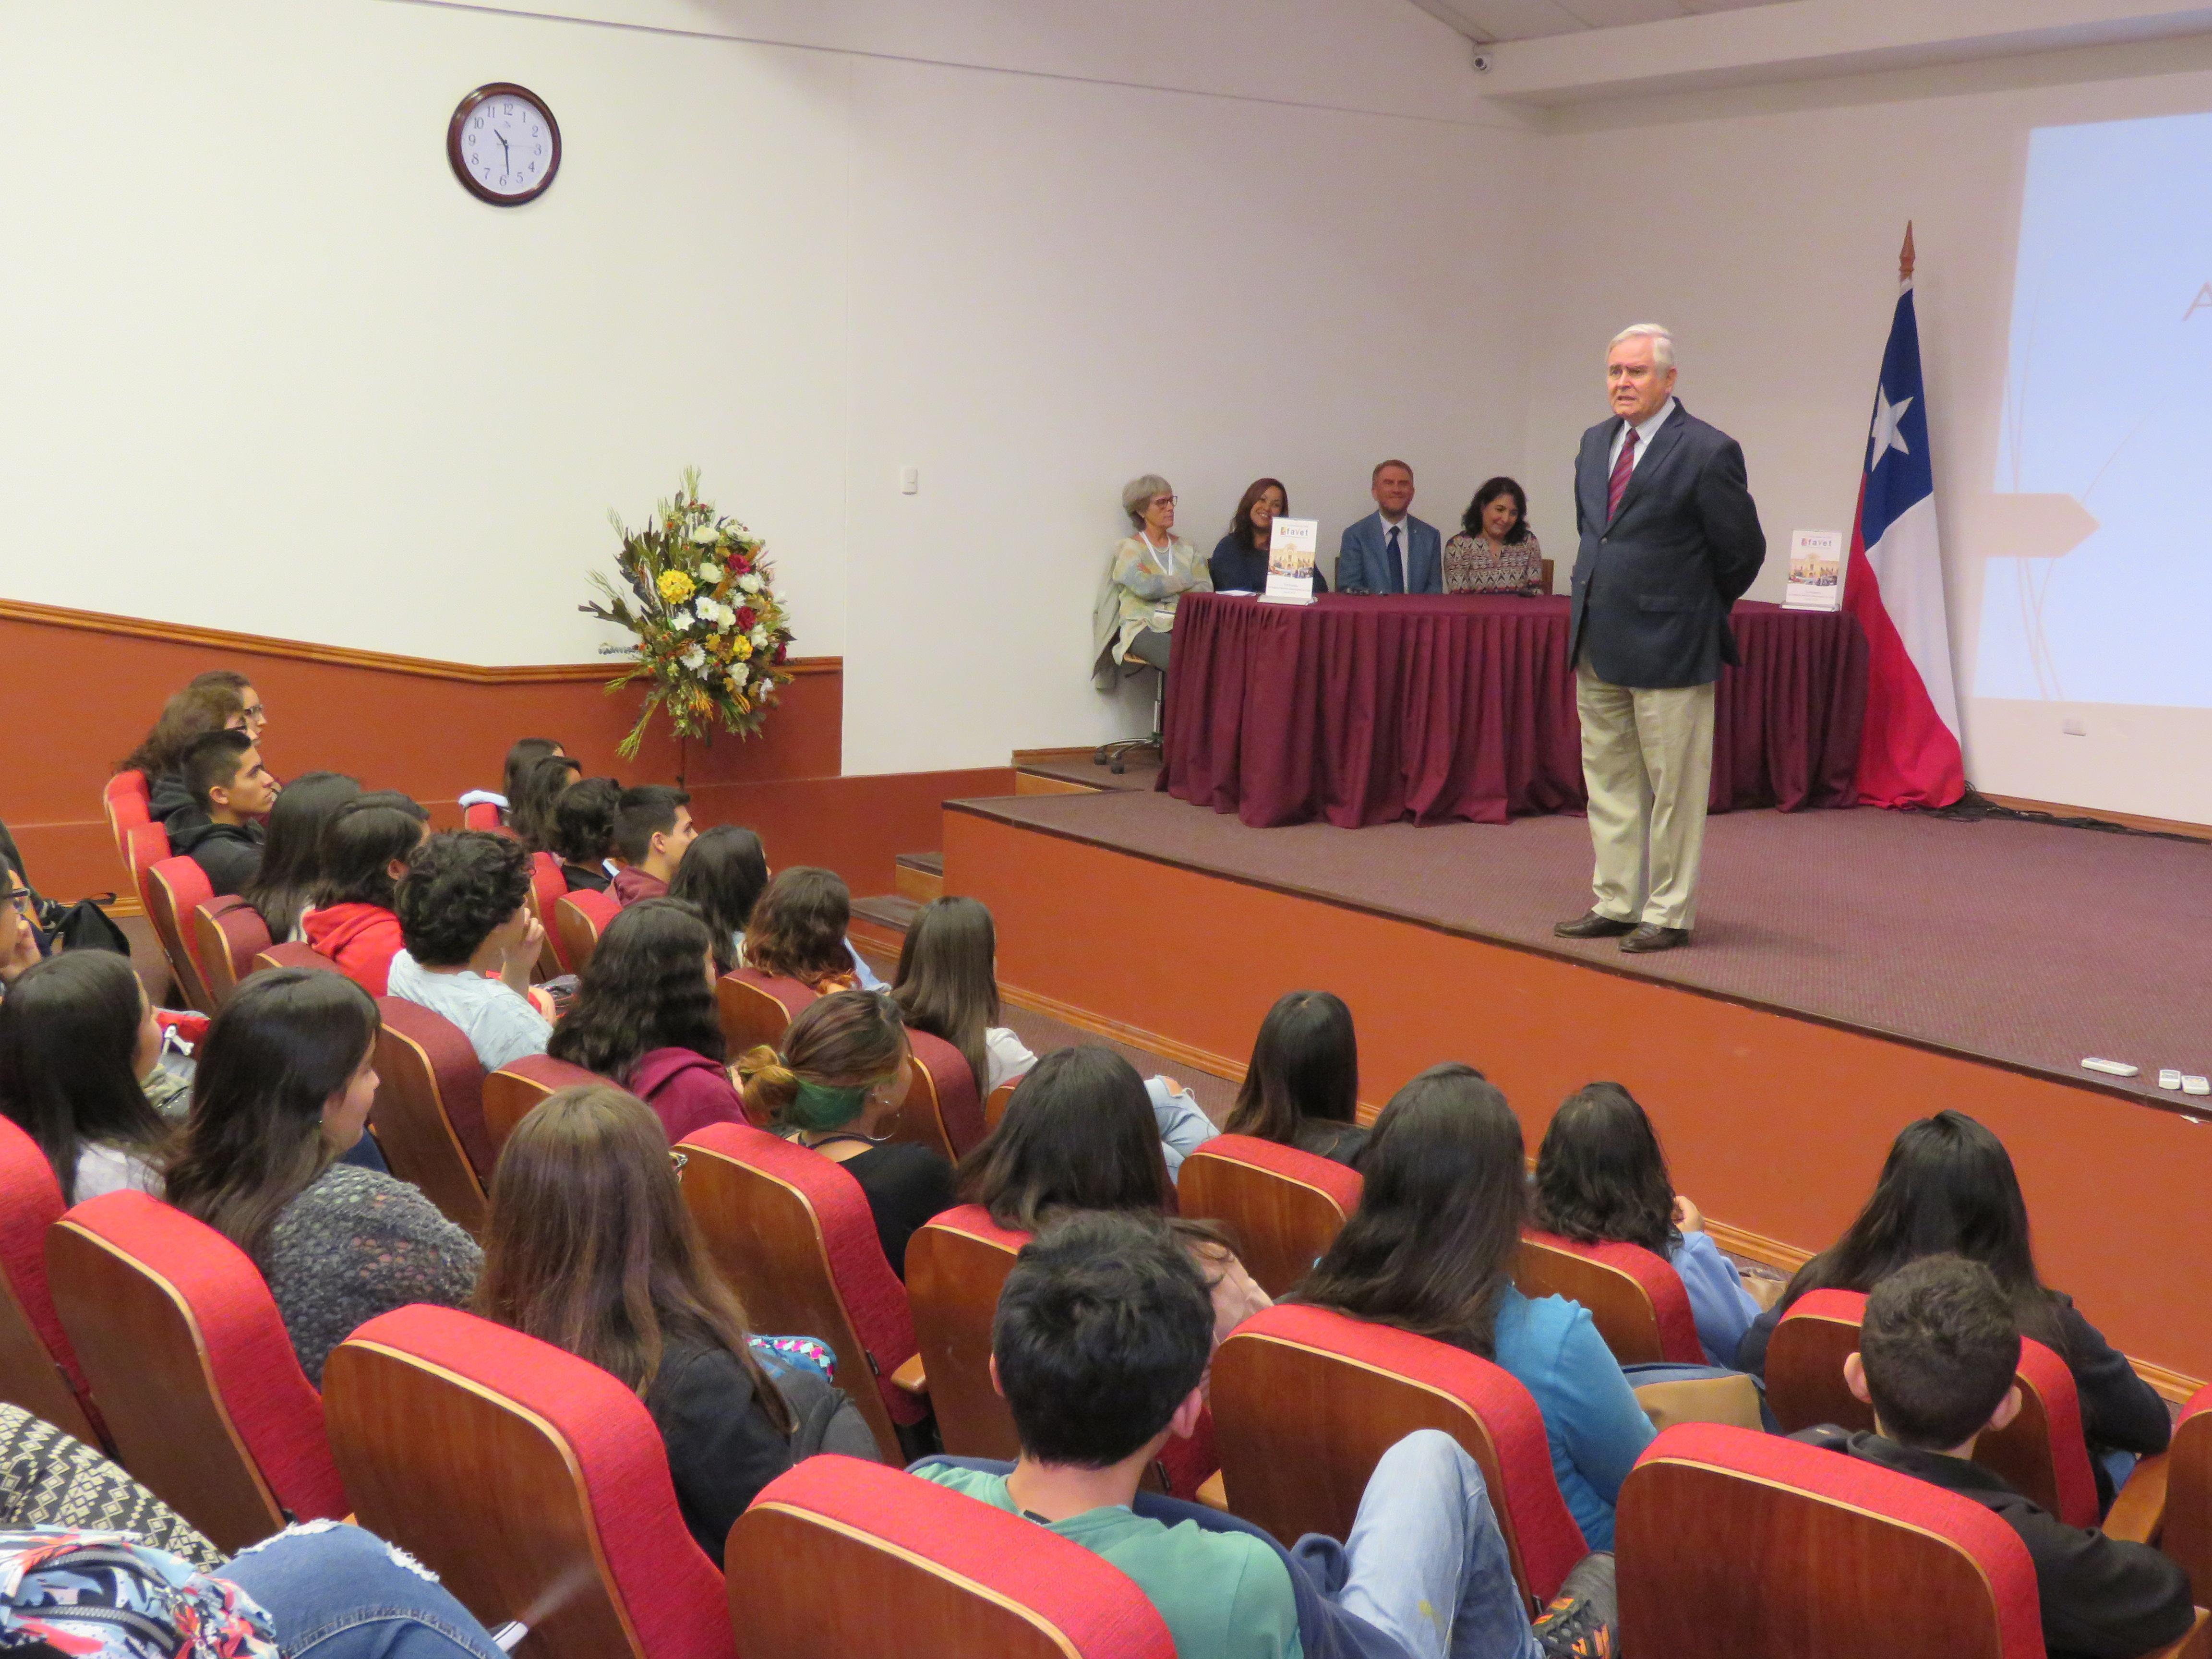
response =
{"points": [[1099, 757], [1118, 767]]}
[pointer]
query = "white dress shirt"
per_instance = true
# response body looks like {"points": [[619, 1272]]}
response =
{"points": [[1643, 436]]}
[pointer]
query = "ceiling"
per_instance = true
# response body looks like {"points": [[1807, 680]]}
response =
{"points": [[1488, 21]]}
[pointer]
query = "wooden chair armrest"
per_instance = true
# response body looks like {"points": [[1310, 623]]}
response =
{"points": [[910, 1377], [2139, 1512], [1213, 1493], [2195, 1645]]}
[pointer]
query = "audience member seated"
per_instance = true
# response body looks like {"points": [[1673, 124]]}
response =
{"points": [[521, 755], [285, 1078], [18, 933], [232, 790], [1302, 1088], [1495, 552], [583, 832], [1390, 551], [1602, 1178], [532, 802], [652, 828], [1948, 1187], [838, 1087], [724, 872], [1239, 564], [590, 1247], [1100, 1348], [947, 985], [1938, 1351], [645, 1016], [1430, 1250], [253, 718], [470, 942], [355, 921], [798, 930], [77, 1036], [1147, 576], [292, 856], [192, 713]]}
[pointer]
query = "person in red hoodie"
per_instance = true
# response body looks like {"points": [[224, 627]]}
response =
{"points": [[644, 1017], [652, 828], [364, 853]]}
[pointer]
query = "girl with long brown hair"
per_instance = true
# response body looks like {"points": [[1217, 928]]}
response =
{"points": [[590, 1247], [797, 930]]}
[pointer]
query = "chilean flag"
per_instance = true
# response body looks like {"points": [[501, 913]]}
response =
{"points": [[1909, 748]]}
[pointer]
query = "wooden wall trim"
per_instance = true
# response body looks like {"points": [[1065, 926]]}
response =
{"points": [[222, 639], [2127, 820]]}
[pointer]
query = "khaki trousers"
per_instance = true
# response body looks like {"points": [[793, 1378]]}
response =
{"points": [[1648, 764]]}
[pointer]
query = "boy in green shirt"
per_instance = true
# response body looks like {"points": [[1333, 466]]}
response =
{"points": [[1100, 1348]]}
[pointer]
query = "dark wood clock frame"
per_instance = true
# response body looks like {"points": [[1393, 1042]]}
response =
{"points": [[454, 128]]}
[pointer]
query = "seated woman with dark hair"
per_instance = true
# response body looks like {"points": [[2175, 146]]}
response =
{"points": [[590, 1247], [1602, 1178], [583, 832], [1495, 552], [838, 1086], [1239, 564], [723, 875], [285, 1077], [364, 849], [1430, 1250], [1302, 1088], [530, 807], [193, 712], [77, 1037], [797, 930], [292, 856], [645, 1015]]}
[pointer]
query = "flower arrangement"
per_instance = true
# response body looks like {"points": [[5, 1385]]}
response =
{"points": [[711, 636]]}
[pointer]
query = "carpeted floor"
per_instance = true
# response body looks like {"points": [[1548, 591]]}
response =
{"points": [[2026, 944]]}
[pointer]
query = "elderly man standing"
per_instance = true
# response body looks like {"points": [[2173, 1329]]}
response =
{"points": [[1670, 540]]}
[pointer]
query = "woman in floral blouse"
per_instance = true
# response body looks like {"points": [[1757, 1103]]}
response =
{"points": [[1495, 552]]}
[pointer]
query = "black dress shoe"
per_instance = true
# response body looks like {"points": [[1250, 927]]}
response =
{"points": [[1594, 926], [1650, 936]]}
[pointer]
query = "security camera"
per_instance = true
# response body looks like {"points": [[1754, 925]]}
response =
{"points": [[1482, 62]]}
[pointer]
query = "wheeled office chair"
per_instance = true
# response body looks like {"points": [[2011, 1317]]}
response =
{"points": [[1114, 755]]}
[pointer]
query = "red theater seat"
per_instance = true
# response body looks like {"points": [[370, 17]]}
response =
{"points": [[792, 1234], [956, 1266], [1306, 1401], [758, 1008], [128, 804], [531, 1482], [228, 933], [145, 846], [510, 1093], [429, 1115], [1635, 1298], [922, 1572], [579, 916], [481, 815], [547, 886], [2168, 1499], [186, 1352], [176, 887], [943, 1111], [38, 1367], [2042, 1453], [290, 955], [1281, 1205]]}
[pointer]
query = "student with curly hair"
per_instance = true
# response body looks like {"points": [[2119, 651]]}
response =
{"points": [[645, 1016], [470, 942], [355, 921]]}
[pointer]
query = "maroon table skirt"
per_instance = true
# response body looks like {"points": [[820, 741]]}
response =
{"points": [[1365, 709]]}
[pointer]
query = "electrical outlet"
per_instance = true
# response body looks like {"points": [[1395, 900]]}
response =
{"points": [[2075, 727]]}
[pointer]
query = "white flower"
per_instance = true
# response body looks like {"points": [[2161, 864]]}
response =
{"points": [[710, 572], [750, 583], [695, 659], [728, 612], [680, 617], [706, 535], [758, 637]]}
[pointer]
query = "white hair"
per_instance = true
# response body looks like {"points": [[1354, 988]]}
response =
{"points": [[1662, 338]]}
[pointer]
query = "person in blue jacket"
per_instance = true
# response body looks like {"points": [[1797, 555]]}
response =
{"points": [[1430, 1250]]}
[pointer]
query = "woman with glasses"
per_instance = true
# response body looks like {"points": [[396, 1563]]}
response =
{"points": [[19, 933], [1151, 569]]}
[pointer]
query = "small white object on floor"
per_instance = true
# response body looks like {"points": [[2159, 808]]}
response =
{"points": [[2196, 1085], [2168, 1077], [2110, 1068]]}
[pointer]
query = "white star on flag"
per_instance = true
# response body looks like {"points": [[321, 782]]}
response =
{"points": [[1887, 416]]}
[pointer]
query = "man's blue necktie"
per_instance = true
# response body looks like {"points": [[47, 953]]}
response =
{"points": [[1397, 564]]}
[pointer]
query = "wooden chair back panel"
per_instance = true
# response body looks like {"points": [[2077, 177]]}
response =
{"points": [[751, 1015], [952, 1282], [995, 1104], [142, 1353], [227, 932], [512, 1091], [33, 1378], [922, 1120], [1805, 1375], [580, 933], [482, 1493], [416, 1133], [285, 954], [2188, 1534], [1617, 1303], [767, 1243], [1280, 1225]]}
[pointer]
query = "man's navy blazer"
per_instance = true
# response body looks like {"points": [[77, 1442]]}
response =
{"points": [[1653, 586], [1363, 558]]}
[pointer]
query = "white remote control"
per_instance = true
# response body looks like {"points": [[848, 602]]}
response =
{"points": [[2110, 1068]]}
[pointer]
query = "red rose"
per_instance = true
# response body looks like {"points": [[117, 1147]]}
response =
{"points": [[783, 650], [740, 564], [746, 617]]}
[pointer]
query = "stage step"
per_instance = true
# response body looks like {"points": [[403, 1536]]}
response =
{"points": [[883, 920], [918, 877]]}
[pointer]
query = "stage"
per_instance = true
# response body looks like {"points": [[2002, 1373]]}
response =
{"points": [[1851, 970]]}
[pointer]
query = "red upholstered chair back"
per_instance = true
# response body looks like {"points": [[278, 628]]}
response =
{"points": [[481, 815], [290, 955], [956, 1266], [942, 1110], [922, 1572], [2041, 1453], [1283, 1207], [145, 846], [2187, 1536], [792, 1234], [227, 932], [547, 886], [176, 887], [1306, 1401], [127, 801], [531, 1482], [38, 1367], [1743, 1546], [1635, 1298], [510, 1092], [579, 916], [758, 1008], [182, 1341], [429, 1115]]}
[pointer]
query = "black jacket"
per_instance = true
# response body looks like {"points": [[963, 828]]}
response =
{"points": [[1653, 586], [2102, 1598], [229, 852], [169, 804]]}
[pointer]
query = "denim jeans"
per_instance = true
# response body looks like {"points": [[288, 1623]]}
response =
{"points": [[1425, 1562], [1184, 1125], [337, 1592]]}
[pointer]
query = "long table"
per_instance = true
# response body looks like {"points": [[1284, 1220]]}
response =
{"points": [[1364, 709]]}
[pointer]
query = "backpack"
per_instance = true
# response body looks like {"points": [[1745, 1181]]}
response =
{"points": [[80, 927], [105, 1595]]}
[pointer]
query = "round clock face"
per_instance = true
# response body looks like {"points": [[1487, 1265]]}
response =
{"points": [[504, 143]]}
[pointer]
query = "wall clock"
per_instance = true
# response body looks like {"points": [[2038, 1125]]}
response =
{"points": [[504, 144]]}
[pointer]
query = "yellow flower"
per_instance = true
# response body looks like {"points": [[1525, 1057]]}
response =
{"points": [[675, 587], [741, 648]]}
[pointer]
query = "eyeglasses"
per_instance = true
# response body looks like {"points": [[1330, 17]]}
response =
{"points": [[254, 712], [1165, 500], [21, 898], [677, 1160]]}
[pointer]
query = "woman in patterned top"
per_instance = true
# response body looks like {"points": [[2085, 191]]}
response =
{"points": [[1495, 552]]}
